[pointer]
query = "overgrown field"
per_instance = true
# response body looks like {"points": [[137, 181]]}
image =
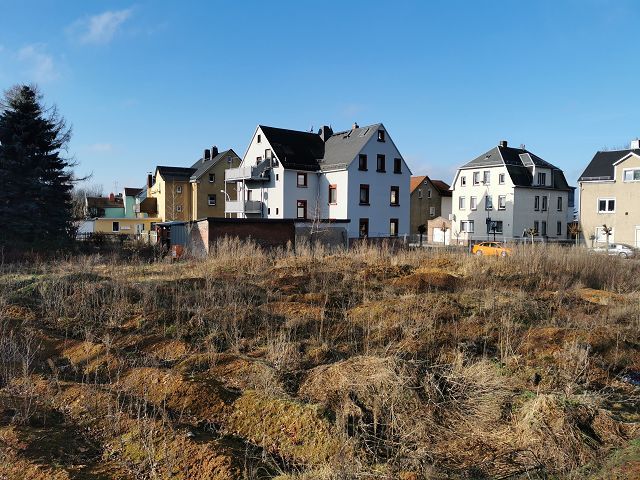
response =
{"points": [[365, 364]]}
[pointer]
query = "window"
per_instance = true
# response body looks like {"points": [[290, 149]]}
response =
{"points": [[488, 202], [536, 203], [559, 228], [463, 181], [362, 162], [333, 194], [259, 138], [380, 165], [473, 203], [364, 194], [301, 209], [381, 135], [277, 177], [212, 178], [267, 153], [211, 199], [277, 210], [543, 231], [601, 237], [268, 211], [302, 179], [179, 189], [542, 178], [476, 178], [432, 211], [419, 193], [502, 202], [559, 204], [115, 227], [496, 226], [466, 226], [606, 205], [258, 160], [393, 227], [363, 227], [536, 226], [545, 201], [501, 179], [397, 165], [179, 208], [429, 193], [395, 196], [486, 177], [631, 175], [229, 159], [461, 203]]}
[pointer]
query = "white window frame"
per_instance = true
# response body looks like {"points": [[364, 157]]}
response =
{"points": [[559, 227], [473, 203], [179, 208], [536, 203], [602, 238], [178, 188], [488, 202], [209, 199], [461, 203], [486, 177], [559, 205], [545, 203], [502, 202], [476, 178], [113, 226], [432, 211], [466, 226], [501, 179], [429, 193], [419, 193], [633, 170], [542, 176], [463, 181], [607, 200], [212, 178]]}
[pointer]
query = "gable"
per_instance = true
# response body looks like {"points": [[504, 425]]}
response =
{"points": [[602, 165]]}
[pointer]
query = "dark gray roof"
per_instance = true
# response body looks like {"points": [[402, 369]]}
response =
{"points": [[295, 149], [201, 166], [601, 165], [342, 148], [175, 173], [517, 160], [132, 192], [306, 150]]}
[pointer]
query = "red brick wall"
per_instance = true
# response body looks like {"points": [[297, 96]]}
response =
{"points": [[199, 238]]}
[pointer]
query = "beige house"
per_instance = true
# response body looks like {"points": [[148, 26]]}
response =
{"points": [[610, 195], [429, 199], [190, 193]]}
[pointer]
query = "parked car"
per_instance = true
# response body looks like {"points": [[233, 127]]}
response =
{"points": [[619, 249], [491, 248]]}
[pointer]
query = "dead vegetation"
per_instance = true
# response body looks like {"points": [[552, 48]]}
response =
{"points": [[369, 364]]}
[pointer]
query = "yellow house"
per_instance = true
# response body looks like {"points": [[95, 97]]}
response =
{"points": [[190, 193], [117, 214]]}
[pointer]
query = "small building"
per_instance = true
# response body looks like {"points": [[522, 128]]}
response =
{"points": [[429, 199], [117, 214], [610, 195], [439, 231]]}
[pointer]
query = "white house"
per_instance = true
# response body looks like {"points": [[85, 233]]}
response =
{"points": [[507, 191], [357, 175]]}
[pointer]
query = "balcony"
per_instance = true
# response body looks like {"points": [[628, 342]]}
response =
{"points": [[258, 173], [238, 206]]}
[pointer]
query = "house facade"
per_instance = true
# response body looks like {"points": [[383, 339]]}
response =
{"points": [[429, 199], [610, 195], [507, 191], [357, 175], [117, 214], [190, 193]]}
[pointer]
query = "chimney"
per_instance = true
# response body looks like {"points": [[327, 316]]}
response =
{"points": [[325, 132], [149, 181], [355, 125], [522, 146], [207, 155], [214, 151], [635, 144], [112, 197], [503, 143]]}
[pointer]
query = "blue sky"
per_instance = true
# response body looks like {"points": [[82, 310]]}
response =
{"points": [[150, 83]]}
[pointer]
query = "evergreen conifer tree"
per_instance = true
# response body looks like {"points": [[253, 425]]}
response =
{"points": [[35, 179]]}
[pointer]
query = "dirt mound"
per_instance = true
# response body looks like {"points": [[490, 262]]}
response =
{"points": [[600, 297], [289, 429], [199, 399], [424, 280]]}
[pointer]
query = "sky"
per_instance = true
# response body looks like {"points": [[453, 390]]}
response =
{"points": [[146, 83]]}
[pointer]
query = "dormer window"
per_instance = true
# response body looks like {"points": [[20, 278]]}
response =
{"points": [[542, 178], [381, 136]]}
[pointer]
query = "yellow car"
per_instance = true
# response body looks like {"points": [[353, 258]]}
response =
{"points": [[490, 248]]}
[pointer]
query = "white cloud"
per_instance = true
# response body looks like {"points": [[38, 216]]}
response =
{"points": [[39, 65], [100, 29]]}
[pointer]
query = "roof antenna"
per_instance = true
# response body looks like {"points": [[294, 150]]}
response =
{"points": [[311, 129]]}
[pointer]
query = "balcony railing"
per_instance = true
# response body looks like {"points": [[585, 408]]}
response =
{"points": [[238, 206], [258, 172]]}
